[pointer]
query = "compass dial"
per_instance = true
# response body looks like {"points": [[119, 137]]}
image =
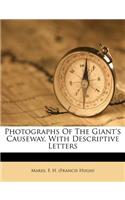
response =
{"points": [[83, 83]]}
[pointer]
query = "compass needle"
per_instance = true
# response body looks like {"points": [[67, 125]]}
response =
{"points": [[84, 97]]}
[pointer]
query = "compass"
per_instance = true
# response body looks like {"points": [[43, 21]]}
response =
{"points": [[84, 80]]}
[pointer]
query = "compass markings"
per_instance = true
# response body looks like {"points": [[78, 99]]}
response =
{"points": [[95, 79], [93, 68], [71, 82], [78, 91], [72, 71], [87, 96], [78, 75], [96, 89]]}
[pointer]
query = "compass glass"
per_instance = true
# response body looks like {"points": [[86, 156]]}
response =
{"points": [[83, 83]]}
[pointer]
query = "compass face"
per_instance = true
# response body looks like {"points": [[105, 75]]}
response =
{"points": [[83, 83]]}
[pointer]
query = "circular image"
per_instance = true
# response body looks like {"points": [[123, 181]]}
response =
{"points": [[83, 83]]}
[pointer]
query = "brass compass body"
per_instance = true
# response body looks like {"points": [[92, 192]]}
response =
{"points": [[84, 81]]}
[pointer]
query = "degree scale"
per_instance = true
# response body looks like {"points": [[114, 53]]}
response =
{"points": [[84, 81]]}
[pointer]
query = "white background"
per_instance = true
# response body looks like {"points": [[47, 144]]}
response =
{"points": [[66, 9], [62, 191], [79, 9]]}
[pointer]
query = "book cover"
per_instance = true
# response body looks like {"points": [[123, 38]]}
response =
{"points": [[62, 100]]}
